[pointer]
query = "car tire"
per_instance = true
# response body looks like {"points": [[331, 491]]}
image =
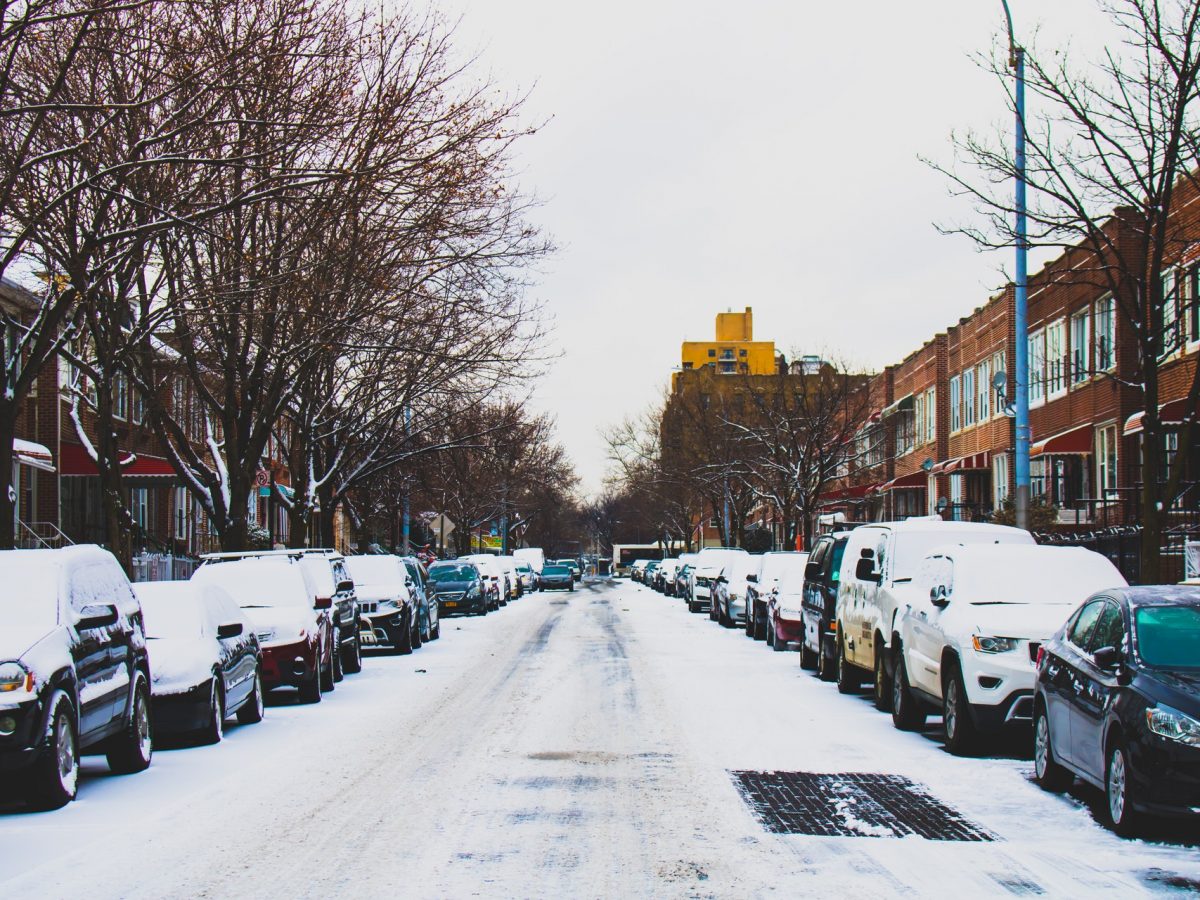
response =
{"points": [[749, 628], [327, 679], [907, 712], [826, 667], [847, 676], [1123, 818], [415, 637], [310, 690], [692, 607], [760, 628], [54, 779], [881, 685], [776, 644], [335, 656], [425, 634], [957, 725], [1049, 775], [405, 646], [572, 588], [214, 729], [437, 629], [251, 712], [808, 659], [131, 749], [352, 658]]}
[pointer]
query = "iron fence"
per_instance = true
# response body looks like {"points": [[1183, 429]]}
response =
{"points": [[162, 567]]}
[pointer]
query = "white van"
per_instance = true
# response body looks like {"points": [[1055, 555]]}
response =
{"points": [[878, 567], [532, 556]]}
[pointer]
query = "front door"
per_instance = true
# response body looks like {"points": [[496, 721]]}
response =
{"points": [[1095, 689]]}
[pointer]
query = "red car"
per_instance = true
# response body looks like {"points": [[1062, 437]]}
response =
{"points": [[295, 632], [785, 610]]}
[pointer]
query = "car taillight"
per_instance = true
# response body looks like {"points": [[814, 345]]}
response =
{"points": [[1038, 662]]}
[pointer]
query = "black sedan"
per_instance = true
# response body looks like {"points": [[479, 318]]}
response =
{"points": [[459, 588], [557, 577], [1118, 703], [205, 662]]}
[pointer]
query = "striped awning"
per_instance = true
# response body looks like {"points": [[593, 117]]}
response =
{"points": [[1075, 441], [970, 462]]}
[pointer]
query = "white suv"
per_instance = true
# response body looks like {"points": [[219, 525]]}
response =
{"points": [[710, 565], [968, 634], [877, 572]]}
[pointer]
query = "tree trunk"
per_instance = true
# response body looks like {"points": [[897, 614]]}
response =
{"points": [[8, 422], [1151, 507]]}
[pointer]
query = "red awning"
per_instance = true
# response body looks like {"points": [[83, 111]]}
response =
{"points": [[1170, 413], [906, 482], [1077, 440], [29, 453], [972, 462], [856, 492], [74, 460]]}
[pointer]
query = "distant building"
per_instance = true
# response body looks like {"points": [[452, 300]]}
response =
{"points": [[734, 351]]}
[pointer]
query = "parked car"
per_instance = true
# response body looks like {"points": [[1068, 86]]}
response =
{"points": [[648, 576], [759, 584], [878, 566], [388, 613], [74, 673], [638, 569], [728, 605], [557, 578], [495, 577], [205, 662], [1118, 703], [967, 636], [460, 588], [710, 565], [818, 648], [532, 557], [293, 624], [528, 577], [683, 579], [429, 627], [664, 578], [785, 609], [576, 569], [509, 565]]}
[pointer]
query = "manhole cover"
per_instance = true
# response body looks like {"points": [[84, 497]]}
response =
{"points": [[851, 804]]}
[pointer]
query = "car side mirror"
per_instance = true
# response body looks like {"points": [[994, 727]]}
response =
{"points": [[865, 571], [811, 571], [229, 630], [323, 603], [1108, 657], [939, 597], [752, 578], [345, 586], [97, 616]]}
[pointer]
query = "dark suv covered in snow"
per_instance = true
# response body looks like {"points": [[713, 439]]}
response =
{"points": [[74, 676]]}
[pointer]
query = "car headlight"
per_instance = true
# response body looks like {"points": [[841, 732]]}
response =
{"points": [[986, 644], [1173, 725], [15, 677]]}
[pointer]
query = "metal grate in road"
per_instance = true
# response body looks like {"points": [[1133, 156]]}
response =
{"points": [[851, 804]]}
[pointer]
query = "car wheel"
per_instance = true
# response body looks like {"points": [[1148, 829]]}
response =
{"points": [[437, 630], [749, 618], [335, 656], [957, 725], [1118, 790], [907, 712], [1049, 774], [252, 710], [847, 678], [327, 679], [808, 659], [133, 746], [760, 627], [826, 669], [712, 609], [54, 780], [424, 632], [405, 646], [777, 644], [352, 658], [692, 606], [214, 729], [572, 587], [415, 637], [310, 690], [882, 686]]}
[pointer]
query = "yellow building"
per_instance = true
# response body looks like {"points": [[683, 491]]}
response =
{"points": [[734, 352]]}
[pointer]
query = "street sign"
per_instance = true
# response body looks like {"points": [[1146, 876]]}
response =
{"points": [[441, 524], [264, 491]]}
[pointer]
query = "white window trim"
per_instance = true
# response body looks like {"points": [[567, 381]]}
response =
{"points": [[1061, 325]]}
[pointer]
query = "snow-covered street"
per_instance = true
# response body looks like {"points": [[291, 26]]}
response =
{"points": [[572, 745]]}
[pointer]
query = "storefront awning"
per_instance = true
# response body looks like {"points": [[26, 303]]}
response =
{"points": [[906, 482], [1077, 440], [842, 495], [27, 453], [75, 461], [904, 404], [1172, 412], [972, 462]]}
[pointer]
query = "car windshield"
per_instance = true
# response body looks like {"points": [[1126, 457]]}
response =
{"points": [[36, 603], [556, 570], [444, 574], [1169, 636]]}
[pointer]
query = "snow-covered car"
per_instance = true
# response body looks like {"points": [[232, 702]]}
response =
{"points": [[527, 575], [460, 588], [638, 569], [294, 630], [759, 584], [509, 565], [429, 626], [967, 636], [493, 575], [388, 613], [878, 566], [205, 663], [818, 650], [785, 609], [664, 578], [74, 673], [531, 556], [710, 565], [728, 605]]}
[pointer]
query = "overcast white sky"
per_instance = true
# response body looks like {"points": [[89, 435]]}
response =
{"points": [[700, 156]]}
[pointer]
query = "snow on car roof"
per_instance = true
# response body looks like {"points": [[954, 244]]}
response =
{"points": [[259, 581], [171, 608], [1034, 573], [377, 569], [934, 524]]}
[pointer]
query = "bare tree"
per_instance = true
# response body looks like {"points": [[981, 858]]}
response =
{"points": [[1112, 155]]}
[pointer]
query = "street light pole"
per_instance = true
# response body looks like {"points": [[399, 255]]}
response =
{"points": [[1016, 59]]}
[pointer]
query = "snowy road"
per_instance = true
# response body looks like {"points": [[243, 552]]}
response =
{"points": [[571, 745]]}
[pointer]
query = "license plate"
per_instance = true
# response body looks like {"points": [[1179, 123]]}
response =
{"points": [[450, 603], [368, 637]]}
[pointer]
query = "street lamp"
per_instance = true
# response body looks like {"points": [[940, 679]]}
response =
{"points": [[1016, 60]]}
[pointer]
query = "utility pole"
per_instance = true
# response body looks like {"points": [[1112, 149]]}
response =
{"points": [[406, 528]]}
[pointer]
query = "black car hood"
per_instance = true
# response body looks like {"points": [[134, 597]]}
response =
{"points": [[451, 587], [1180, 689]]}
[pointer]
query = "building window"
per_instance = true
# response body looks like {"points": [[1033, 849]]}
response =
{"points": [[1080, 343], [968, 398], [919, 419], [983, 387], [904, 433], [1106, 461], [955, 410], [1000, 479], [1056, 358], [1170, 313], [956, 497], [1191, 303], [1105, 334], [741, 353], [182, 502], [1037, 477], [1037, 366], [139, 507], [120, 396], [712, 351], [930, 415]]}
